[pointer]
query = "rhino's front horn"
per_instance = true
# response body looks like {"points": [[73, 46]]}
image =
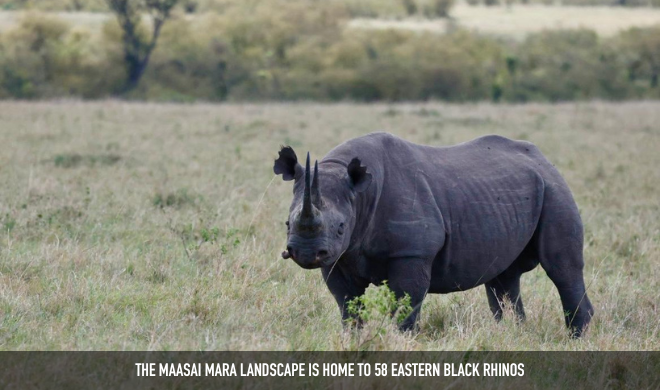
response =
{"points": [[312, 194], [309, 215]]}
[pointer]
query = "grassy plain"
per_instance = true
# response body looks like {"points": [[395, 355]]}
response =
{"points": [[159, 226]]}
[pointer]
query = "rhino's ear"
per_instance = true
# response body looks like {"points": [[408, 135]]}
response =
{"points": [[287, 164], [360, 178]]}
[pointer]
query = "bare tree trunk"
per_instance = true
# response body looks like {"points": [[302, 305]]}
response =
{"points": [[136, 65], [137, 51]]}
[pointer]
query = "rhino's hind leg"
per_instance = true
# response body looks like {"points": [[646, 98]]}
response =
{"points": [[560, 246], [563, 263], [577, 308], [505, 287]]}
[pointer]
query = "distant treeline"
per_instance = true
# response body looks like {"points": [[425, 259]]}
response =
{"points": [[282, 50], [356, 8]]}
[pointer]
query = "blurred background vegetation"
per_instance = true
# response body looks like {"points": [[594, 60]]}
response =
{"points": [[216, 50]]}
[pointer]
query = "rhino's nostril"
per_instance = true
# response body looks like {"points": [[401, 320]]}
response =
{"points": [[322, 253]]}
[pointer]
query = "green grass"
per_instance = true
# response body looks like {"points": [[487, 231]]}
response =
{"points": [[173, 241]]}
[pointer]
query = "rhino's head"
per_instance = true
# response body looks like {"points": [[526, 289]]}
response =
{"points": [[322, 213]]}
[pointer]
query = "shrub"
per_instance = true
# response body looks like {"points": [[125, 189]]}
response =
{"points": [[190, 6], [45, 57], [189, 63], [377, 8], [177, 199], [410, 6], [565, 65], [438, 8], [30, 55], [73, 160], [639, 49], [380, 303]]}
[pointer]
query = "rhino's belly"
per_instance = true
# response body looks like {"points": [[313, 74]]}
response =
{"points": [[466, 269], [477, 250]]}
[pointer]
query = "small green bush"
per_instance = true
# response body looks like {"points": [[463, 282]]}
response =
{"points": [[379, 303], [175, 199], [73, 160]]}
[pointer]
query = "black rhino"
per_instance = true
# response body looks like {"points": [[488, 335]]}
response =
{"points": [[436, 220]]}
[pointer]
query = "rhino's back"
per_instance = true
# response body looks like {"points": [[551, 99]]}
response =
{"points": [[473, 207], [384, 152]]}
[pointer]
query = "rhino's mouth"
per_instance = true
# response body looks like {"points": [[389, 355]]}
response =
{"points": [[316, 263]]}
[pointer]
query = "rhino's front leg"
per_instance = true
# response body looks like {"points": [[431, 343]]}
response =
{"points": [[410, 276], [344, 288]]}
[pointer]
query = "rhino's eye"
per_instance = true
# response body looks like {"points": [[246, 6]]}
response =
{"points": [[340, 231]]}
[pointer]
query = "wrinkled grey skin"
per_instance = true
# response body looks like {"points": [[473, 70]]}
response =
{"points": [[436, 220]]}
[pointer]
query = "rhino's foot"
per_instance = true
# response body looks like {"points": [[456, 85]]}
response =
{"points": [[578, 319]]}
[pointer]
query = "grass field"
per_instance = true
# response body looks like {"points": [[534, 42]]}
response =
{"points": [[152, 226]]}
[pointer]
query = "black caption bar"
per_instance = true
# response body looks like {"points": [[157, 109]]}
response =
{"points": [[359, 370]]}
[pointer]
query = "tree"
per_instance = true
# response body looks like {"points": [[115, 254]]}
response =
{"points": [[137, 47]]}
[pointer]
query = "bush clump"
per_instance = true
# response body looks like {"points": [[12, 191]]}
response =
{"points": [[380, 303], [45, 57], [285, 50]]}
